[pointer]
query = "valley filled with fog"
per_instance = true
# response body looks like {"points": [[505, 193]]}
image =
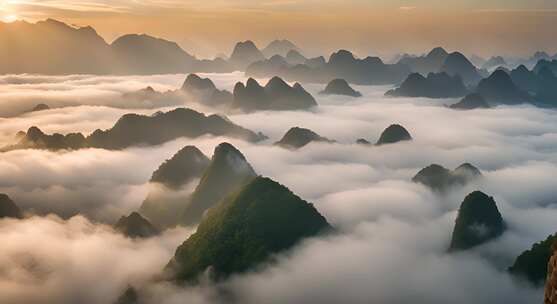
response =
{"points": [[392, 235]]}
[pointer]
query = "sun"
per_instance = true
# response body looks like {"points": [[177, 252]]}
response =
{"points": [[10, 18]]}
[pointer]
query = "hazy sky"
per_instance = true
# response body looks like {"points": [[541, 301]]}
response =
{"points": [[380, 27]]}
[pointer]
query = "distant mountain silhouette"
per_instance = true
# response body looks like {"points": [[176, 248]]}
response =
{"points": [[552, 65], [294, 57], [244, 54], [431, 63], [40, 107], [458, 64], [297, 138], [165, 202], [494, 62], [226, 173], [54, 48], [441, 179], [244, 231], [134, 129], [8, 209], [276, 95], [531, 264], [471, 102], [342, 64], [370, 70], [137, 130], [439, 85], [148, 97], [525, 79], [394, 134], [36, 139], [135, 226], [547, 88], [499, 88], [204, 91], [478, 222], [363, 141], [340, 87], [280, 47], [316, 62], [477, 60], [136, 54]]}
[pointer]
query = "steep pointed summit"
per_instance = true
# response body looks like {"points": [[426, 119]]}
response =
{"points": [[244, 231], [227, 172], [478, 221]]}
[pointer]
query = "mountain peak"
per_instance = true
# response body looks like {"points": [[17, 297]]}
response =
{"points": [[135, 226], [478, 221], [186, 165], [340, 87], [437, 52], [394, 134], [244, 230], [194, 82], [227, 171], [439, 178], [245, 53]]}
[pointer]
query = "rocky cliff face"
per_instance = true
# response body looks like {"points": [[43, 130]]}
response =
{"points": [[550, 296]]}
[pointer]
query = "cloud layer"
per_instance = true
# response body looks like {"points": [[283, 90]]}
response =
{"points": [[393, 236]]}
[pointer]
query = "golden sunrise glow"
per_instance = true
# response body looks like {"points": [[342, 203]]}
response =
{"points": [[10, 18], [377, 27]]}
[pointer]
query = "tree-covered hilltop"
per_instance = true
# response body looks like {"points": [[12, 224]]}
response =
{"points": [[245, 230], [478, 221], [532, 263], [186, 165]]}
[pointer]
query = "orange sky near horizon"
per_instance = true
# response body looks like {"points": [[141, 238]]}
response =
{"points": [[367, 27]]}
